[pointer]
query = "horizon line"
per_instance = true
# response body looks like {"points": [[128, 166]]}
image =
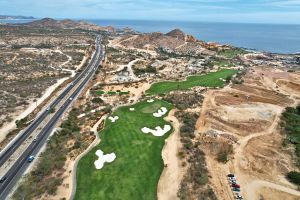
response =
{"points": [[156, 20]]}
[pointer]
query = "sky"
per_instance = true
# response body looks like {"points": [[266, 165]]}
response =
{"points": [[249, 11]]}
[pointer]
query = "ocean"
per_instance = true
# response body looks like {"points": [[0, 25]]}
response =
{"points": [[261, 37], [273, 38]]}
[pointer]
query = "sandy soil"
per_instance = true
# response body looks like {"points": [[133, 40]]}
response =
{"points": [[10, 126], [117, 43], [136, 90], [250, 113], [84, 60], [266, 193], [173, 172], [5, 129]]}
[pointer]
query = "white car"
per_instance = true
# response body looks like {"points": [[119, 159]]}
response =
{"points": [[239, 197], [70, 98]]}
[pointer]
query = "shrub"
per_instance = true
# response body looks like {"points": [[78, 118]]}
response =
{"points": [[294, 177], [194, 184], [52, 110], [184, 100], [97, 100], [291, 127], [107, 109], [149, 69], [222, 156], [224, 152]]}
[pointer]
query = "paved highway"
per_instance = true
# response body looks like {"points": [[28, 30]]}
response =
{"points": [[21, 164], [5, 153]]}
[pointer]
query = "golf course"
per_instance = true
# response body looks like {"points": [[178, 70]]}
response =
{"points": [[134, 170], [212, 79]]}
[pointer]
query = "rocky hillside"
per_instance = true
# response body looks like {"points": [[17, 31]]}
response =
{"points": [[67, 24], [173, 41]]}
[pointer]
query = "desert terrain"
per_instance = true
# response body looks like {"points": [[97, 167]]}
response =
{"points": [[247, 116], [33, 65], [224, 107]]}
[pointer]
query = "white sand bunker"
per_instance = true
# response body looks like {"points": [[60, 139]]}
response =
{"points": [[131, 109], [150, 100], [113, 119], [103, 159], [160, 112], [158, 130]]}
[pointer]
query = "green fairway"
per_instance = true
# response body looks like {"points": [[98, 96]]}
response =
{"points": [[135, 172], [210, 80], [231, 53]]}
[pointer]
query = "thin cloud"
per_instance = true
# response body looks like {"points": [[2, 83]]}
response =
{"points": [[210, 10]]}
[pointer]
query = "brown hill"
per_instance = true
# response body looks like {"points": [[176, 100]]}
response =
{"points": [[174, 41], [67, 24], [177, 33]]}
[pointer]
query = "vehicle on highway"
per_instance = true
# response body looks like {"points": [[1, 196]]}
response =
{"points": [[232, 182], [236, 185], [239, 197], [3, 179], [30, 158], [230, 175], [19, 167], [236, 189], [232, 178], [34, 140]]}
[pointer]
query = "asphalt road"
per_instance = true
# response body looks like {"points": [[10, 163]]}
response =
{"points": [[21, 164], [5, 153]]}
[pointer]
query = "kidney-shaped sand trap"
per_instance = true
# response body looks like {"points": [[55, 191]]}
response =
{"points": [[160, 112], [113, 119], [150, 100], [103, 159], [158, 130], [131, 109]]}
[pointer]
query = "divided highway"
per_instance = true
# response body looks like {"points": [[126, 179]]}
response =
{"points": [[19, 167]]}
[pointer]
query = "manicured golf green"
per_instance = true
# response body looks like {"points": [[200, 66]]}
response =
{"points": [[212, 79], [135, 172]]}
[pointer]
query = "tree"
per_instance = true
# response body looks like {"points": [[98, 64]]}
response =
{"points": [[294, 177]]}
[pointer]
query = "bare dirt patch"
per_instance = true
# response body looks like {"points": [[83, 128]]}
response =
{"points": [[248, 115]]}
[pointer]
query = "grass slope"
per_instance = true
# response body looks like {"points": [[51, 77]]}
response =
{"points": [[135, 172], [210, 80]]}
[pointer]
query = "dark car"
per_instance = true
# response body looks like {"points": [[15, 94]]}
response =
{"points": [[30, 158], [236, 189], [230, 175], [3, 179], [236, 185]]}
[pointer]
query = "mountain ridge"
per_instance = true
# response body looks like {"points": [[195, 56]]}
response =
{"points": [[66, 24]]}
